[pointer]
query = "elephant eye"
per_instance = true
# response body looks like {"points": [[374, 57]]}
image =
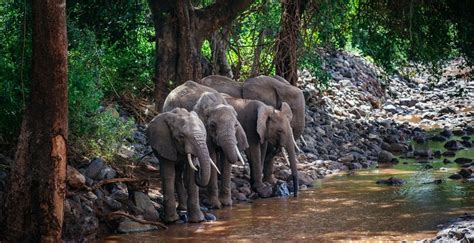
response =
{"points": [[212, 125], [180, 135]]}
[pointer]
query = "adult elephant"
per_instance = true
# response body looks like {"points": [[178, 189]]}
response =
{"points": [[175, 137], [273, 91], [264, 126], [226, 137]]}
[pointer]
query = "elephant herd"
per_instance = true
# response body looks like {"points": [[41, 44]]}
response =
{"points": [[206, 125]]}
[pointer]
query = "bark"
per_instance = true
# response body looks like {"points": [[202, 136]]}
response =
{"points": [[256, 56], [219, 46], [180, 30], [34, 203], [286, 47]]}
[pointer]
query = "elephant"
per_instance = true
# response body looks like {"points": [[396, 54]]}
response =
{"points": [[175, 137], [265, 126], [272, 91], [226, 137]]}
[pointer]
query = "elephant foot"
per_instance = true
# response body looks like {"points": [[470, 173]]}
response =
{"points": [[226, 199], [196, 217], [263, 190], [181, 207], [214, 203], [270, 179], [171, 218]]}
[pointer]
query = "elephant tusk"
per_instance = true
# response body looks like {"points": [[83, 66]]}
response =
{"points": [[190, 161], [303, 141], [285, 155], [215, 166], [240, 156], [296, 146]]}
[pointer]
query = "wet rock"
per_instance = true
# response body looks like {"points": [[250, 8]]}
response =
{"points": [[245, 190], [437, 154], [465, 173], [397, 148], [446, 110], [462, 160], [143, 202], [446, 133], [453, 145], [305, 179], [408, 102], [113, 204], [449, 153], [447, 161], [240, 197], [107, 173], [459, 132], [392, 181], [466, 144], [129, 226], [210, 217], [94, 168], [74, 178], [455, 176], [385, 157], [281, 189], [423, 153], [438, 138]]}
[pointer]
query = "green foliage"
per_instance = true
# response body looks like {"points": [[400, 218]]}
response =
{"points": [[111, 132]]}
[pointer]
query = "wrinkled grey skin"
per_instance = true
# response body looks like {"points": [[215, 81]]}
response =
{"points": [[264, 126], [172, 135], [272, 91], [224, 133]]}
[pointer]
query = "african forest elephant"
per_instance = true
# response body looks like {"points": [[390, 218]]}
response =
{"points": [[178, 136], [264, 126], [226, 137]]}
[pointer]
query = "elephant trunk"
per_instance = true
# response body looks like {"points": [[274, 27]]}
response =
{"points": [[293, 163], [203, 174], [227, 141], [230, 151], [298, 121]]}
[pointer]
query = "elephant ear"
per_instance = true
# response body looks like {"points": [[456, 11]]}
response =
{"points": [[159, 136], [264, 112], [241, 137], [286, 110]]}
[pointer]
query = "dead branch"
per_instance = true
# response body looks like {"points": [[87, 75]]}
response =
{"points": [[141, 221]]}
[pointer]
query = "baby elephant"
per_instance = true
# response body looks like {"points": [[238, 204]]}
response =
{"points": [[178, 140], [266, 125]]}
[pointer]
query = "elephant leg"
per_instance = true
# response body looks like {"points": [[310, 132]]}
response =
{"points": [[179, 185], [212, 188], [194, 211], [254, 155], [225, 196], [167, 171], [268, 164]]}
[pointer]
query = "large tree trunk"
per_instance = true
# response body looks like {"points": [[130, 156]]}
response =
{"points": [[286, 47], [180, 30], [34, 204], [256, 54], [219, 46]]}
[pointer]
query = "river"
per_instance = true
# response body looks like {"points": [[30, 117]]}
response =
{"points": [[341, 207]]}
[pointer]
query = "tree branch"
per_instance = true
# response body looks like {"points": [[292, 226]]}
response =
{"points": [[219, 14]]}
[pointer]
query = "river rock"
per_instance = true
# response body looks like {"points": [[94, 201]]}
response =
{"points": [[240, 197], [449, 153], [465, 173], [392, 181], [129, 226], [143, 202], [455, 176], [385, 157], [74, 178], [305, 179], [447, 161], [94, 168], [438, 138], [466, 143], [453, 145], [463, 160], [446, 133], [423, 153], [281, 189]]}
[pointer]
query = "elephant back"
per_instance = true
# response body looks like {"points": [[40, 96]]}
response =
{"points": [[223, 85], [185, 96]]}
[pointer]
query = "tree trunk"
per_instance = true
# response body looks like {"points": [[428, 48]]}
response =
{"points": [[180, 30], [286, 47], [256, 55], [34, 204], [219, 46]]}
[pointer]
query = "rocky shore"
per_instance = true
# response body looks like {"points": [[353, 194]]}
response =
{"points": [[363, 118]]}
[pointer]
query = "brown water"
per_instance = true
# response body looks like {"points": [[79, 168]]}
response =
{"points": [[342, 207]]}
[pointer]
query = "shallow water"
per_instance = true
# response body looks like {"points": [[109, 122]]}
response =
{"points": [[343, 207]]}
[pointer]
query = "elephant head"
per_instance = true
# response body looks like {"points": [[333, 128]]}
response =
{"points": [[178, 135], [223, 84], [222, 125], [273, 126], [274, 91]]}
